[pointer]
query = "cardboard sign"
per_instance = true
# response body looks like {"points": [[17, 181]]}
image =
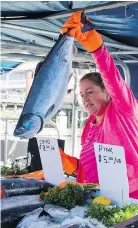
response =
{"points": [[51, 160], [112, 173]]}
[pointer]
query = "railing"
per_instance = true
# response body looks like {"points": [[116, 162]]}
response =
{"points": [[15, 84], [15, 143], [12, 98]]}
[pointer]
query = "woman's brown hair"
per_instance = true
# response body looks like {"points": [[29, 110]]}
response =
{"points": [[95, 77]]}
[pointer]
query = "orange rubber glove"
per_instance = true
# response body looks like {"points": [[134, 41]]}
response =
{"points": [[69, 163], [91, 40]]}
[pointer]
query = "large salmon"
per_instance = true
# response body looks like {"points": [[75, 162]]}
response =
{"points": [[48, 88]]}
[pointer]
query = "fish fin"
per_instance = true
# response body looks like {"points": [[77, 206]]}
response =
{"points": [[74, 49], [70, 76], [50, 110], [44, 213], [38, 66]]}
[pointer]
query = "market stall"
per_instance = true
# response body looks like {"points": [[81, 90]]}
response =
{"points": [[29, 31]]}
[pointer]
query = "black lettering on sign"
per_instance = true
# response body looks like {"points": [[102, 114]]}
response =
{"points": [[110, 158], [117, 160], [100, 148], [44, 148], [48, 141], [105, 149], [100, 157], [105, 159], [110, 150], [44, 144], [52, 148]]}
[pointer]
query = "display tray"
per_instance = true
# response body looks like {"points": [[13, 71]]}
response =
{"points": [[130, 223]]}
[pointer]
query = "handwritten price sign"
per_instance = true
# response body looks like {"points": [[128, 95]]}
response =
{"points": [[107, 155], [51, 160], [107, 159], [112, 172], [46, 145]]}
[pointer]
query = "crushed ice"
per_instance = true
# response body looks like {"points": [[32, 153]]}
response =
{"points": [[59, 218]]}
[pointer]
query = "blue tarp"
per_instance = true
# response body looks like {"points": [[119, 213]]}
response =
{"points": [[9, 65], [119, 25], [133, 68]]}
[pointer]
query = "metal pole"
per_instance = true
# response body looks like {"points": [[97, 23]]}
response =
{"points": [[121, 46], [6, 141], [74, 115], [22, 57], [24, 46], [109, 5], [125, 52], [3, 36], [31, 30], [81, 58], [53, 34], [55, 126], [130, 61], [88, 9], [49, 41], [42, 49]]}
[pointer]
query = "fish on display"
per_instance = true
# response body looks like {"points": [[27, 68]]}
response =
{"points": [[21, 186], [50, 215], [48, 88], [55, 211], [33, 219], [61, 218], [15, 207]]}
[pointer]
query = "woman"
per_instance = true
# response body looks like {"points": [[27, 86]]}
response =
{"points": [[112, 107]]}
